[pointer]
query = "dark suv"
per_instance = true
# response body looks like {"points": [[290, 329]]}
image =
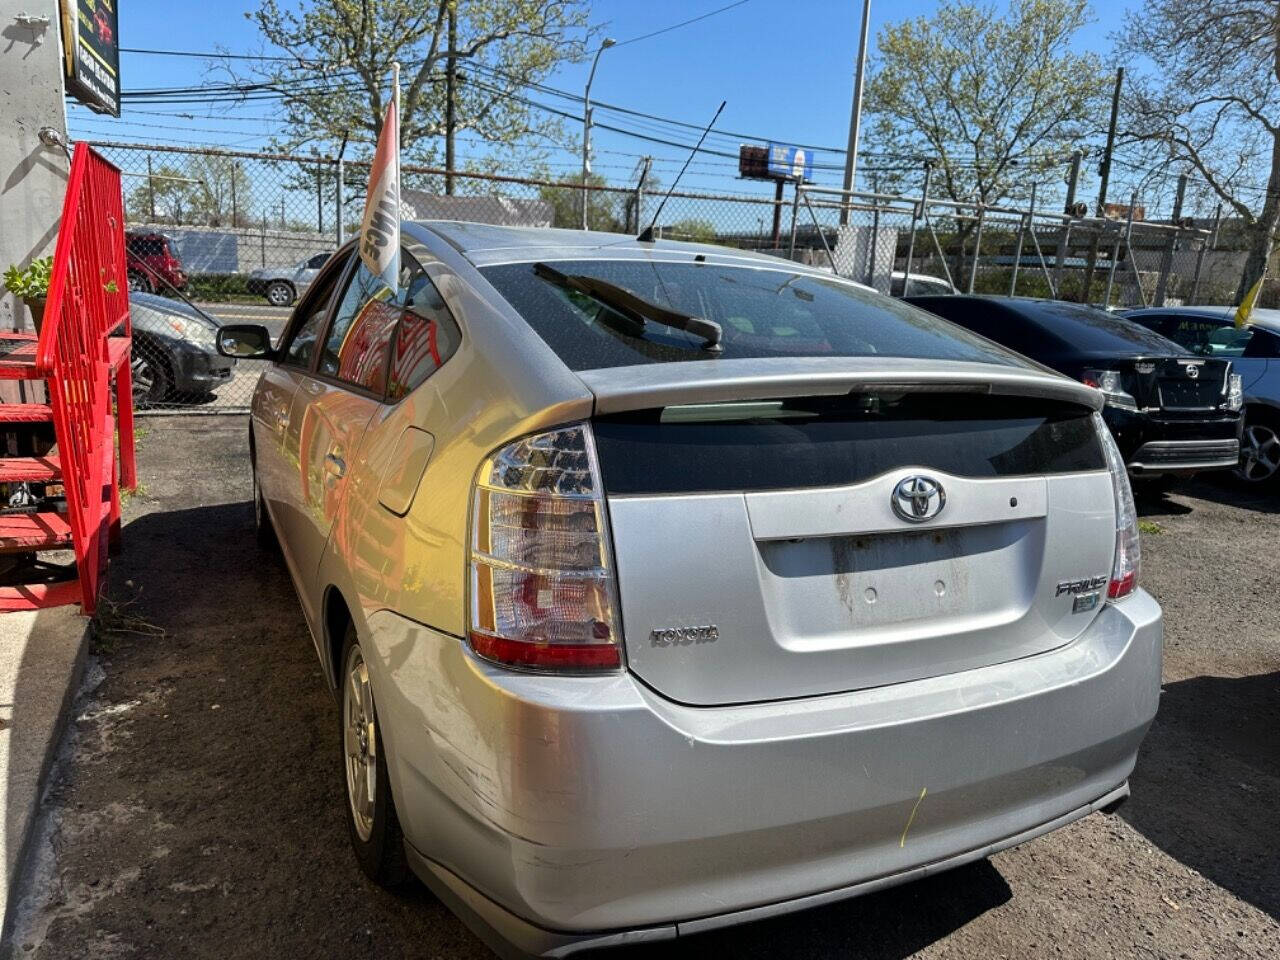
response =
{"points": [[153, 262]]}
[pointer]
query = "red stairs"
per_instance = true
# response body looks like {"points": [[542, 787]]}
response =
{"points": [[82, 347]]}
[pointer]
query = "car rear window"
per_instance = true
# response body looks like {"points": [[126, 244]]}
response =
{"points": [[1037, 327], [763, 313]]}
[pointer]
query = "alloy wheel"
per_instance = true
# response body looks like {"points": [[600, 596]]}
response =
{"points": [[279, 295], [144, 380], [360, 743], [1259, 453]]}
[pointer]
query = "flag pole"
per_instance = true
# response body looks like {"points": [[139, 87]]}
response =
{"points": [[395, 98]]}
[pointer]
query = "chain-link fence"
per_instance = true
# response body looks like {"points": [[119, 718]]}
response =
{"points": [[240, 235]]}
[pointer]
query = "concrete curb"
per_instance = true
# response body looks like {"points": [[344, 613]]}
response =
{"points": [[42, 659]]}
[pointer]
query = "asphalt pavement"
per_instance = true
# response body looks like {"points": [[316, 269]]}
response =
{"points": [[197, 809]]}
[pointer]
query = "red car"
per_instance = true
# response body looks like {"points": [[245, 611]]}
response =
{"points": [[153, 263]]}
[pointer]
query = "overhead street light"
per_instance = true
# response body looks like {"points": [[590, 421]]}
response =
{"points": [[586, 127]]}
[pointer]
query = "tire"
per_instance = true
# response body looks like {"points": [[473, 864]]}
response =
{"points": [[262, 528], [138, 282], [372, 825], [152, 379], [280, 293], [1260, 451]]}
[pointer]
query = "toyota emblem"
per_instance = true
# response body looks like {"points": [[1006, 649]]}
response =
{"points": [[918, 498]]}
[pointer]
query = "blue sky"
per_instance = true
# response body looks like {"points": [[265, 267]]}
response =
{"points": [[785, 69]]}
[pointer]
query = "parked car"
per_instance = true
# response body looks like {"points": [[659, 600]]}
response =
{"points": [[282, 285], [665, 587], [174, 354], [1254, 352], [1171, 412], [918, 284], [152, 262]]}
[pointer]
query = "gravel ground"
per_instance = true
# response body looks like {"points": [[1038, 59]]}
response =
{"points": [[197, 807]]}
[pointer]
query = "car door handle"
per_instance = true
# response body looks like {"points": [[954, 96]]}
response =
{"points": [[334, 465]]}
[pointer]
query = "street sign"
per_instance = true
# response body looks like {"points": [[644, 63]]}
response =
{"points": [[790, 163], [92, 53]]}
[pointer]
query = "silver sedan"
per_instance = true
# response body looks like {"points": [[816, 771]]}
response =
{"points": [[664, 587]]}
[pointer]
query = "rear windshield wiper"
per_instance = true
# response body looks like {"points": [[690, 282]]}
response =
{"points": [[633, 308]]}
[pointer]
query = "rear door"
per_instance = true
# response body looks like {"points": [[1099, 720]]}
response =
{"points": [[331, 409], [776, 549]]}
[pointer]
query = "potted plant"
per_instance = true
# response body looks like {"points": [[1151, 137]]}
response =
{"points": [[32, 285]]}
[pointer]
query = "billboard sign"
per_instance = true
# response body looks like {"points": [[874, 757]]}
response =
{"points": [[92, 53], [790, 163]]}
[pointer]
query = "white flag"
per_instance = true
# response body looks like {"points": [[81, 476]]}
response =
{"points": [[380, 228]]}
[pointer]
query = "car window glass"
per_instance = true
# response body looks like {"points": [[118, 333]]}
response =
{"points": [[316, 262], [310, 316], [1262, 343], [1228, 341], [763, 312], [355, 351], [1193, 333], [426, 338]]}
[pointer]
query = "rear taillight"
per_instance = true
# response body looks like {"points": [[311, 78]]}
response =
{"points": [[542, 588], [1109, 382], [1124, 570], [1235, 391]]}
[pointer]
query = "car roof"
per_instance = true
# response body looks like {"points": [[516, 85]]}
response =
{"points": [[486, 244], [1082, 328], [1265, 317]]}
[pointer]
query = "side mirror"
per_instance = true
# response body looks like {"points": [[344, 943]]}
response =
{"points": [[245, 341]]}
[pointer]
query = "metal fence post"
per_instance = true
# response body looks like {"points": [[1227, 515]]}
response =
{"points": [[1166, 260], [1023, 222], [1207, 243], [795, 213], [873, 250], [916, 213], [319, 198], [235, 208], [977, 248], [1115, 251], [151, 192], [264, 240], [341, 203]]}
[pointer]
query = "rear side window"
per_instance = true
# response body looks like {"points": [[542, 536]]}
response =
{"points": [[309, 317], [427, 336], [359, 340], [763, 313]]}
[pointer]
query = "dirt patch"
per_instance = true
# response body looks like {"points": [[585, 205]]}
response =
{"points": [[198, 808]]}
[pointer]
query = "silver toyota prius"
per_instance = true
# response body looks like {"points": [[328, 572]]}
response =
{"points": [[664, 587]]}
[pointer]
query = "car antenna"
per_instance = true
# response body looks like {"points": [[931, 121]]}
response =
{"points": [[646, 235]]}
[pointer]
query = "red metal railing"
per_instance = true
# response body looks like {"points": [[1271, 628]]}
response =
{"points": [[89, 301]]}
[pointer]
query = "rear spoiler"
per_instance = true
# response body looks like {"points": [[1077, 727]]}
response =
{"points": [[647, 386]]}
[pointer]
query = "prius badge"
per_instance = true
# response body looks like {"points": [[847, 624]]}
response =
{"points": [[918, 498]]}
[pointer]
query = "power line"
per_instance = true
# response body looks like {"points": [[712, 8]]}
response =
{"points": [[683, 23]]}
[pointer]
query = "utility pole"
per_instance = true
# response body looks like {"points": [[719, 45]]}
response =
{"points": [[855, 119], [1064, 237], [586, 128], [151, 192], [450, 101], [1104, 173], [1166, 261]]}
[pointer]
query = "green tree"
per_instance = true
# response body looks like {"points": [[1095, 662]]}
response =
{"points": [[1210, 101], [207, 191], [698, 231], [335, 81], [605, 208], [994, 100]]}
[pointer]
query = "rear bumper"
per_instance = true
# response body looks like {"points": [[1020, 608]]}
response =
{"points": [[1184, 456], [567, 812], [1153, 443]]}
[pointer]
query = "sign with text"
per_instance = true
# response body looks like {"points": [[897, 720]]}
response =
{"points": [[790, 163], [92, 53]]}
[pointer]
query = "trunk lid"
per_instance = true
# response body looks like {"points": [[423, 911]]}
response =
{"points": [[1187, 384], [760, 555]]}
